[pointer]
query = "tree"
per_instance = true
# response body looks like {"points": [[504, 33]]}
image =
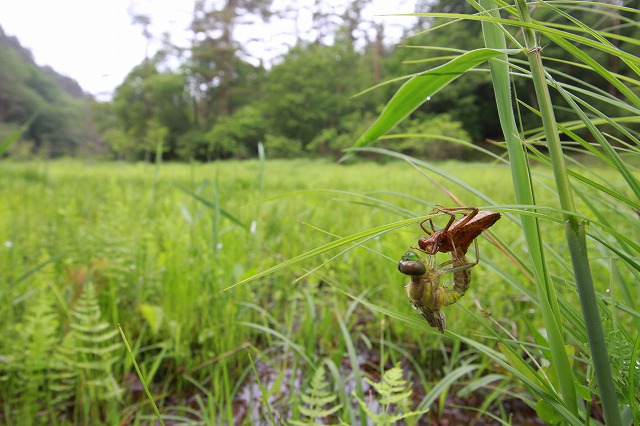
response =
{"points": [[469, 99], [149, 99], [237, 135], [311, 90], [215, 54]]}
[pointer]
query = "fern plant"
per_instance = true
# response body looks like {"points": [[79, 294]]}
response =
{"points": [[85, 359], [393, 391], [30, 361], [319, 402]]}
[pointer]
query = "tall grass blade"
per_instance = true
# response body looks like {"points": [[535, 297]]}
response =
{"points": [[521, 176], [574, 229], [355, 364], [6, 144], [263, 391], [141, 377], [213, 205], [369, 233], [417, 90]]}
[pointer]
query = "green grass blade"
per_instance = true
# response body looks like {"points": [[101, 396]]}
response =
{"points": [[287, 341], [443, 384], [355, 363], [213, 205], [584, 57], [369, 233], [141, 377], [543, 29], [263, 391], [606, 146], [419, 88], [521, 176], [14, 136], [574, 233]]}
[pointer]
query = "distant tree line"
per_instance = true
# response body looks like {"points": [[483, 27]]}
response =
{"points": [[220, 102]]}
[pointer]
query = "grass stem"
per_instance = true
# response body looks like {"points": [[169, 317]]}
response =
{"points": [[144, 383], [521, 176], [574, 229]]}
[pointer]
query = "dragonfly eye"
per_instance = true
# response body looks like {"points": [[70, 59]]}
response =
{"points": [[412, 264]]}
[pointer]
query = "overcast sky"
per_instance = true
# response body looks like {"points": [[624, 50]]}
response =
{"points": [[94, 42]]}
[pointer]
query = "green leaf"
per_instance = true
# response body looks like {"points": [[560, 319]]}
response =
{"points": [[13, 137], [548, 413], [518, 363], [153, 315], [212, 205], [364, 235], [420, 87]]}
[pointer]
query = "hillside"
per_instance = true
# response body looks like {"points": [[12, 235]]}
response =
{"points": [[62, 123]]}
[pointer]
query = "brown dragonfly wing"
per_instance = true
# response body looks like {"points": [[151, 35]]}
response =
{"points": [[435, 319]]}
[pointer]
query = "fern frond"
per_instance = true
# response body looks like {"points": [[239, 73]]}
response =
{"points": [[316, 399], [621, 349], [26, 369], [88, 352], [393, 391]]}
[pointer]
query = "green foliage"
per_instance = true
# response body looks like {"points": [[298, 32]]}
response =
{"points": [[59, 126], [174, 241], [85, 359], [282, 147], [394, 395], [319, 402], [30, 365], [435, 138], [167, 248], [557, 389], [469, 99], [420, 87], [193, 144], [305, 98], [309, 91], [237, 135], [626, 373], [120, 142], [9, 134], [332, 141], [148, 101]]}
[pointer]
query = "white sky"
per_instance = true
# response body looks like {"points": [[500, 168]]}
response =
{"points": [[95, 43]]}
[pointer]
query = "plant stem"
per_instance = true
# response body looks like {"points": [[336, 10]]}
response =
{"points": [[574, 229], [521, 176]]}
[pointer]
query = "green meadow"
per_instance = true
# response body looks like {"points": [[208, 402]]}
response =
{"points": [[268, 291], [159, 250]]}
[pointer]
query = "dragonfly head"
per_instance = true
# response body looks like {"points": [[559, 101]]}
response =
{"points": [[412, 264]]}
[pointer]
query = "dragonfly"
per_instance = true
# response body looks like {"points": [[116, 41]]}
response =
{"points": [[424, 290]]}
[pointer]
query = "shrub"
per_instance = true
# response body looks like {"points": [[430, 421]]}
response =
{"points": [[435, 138]]}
